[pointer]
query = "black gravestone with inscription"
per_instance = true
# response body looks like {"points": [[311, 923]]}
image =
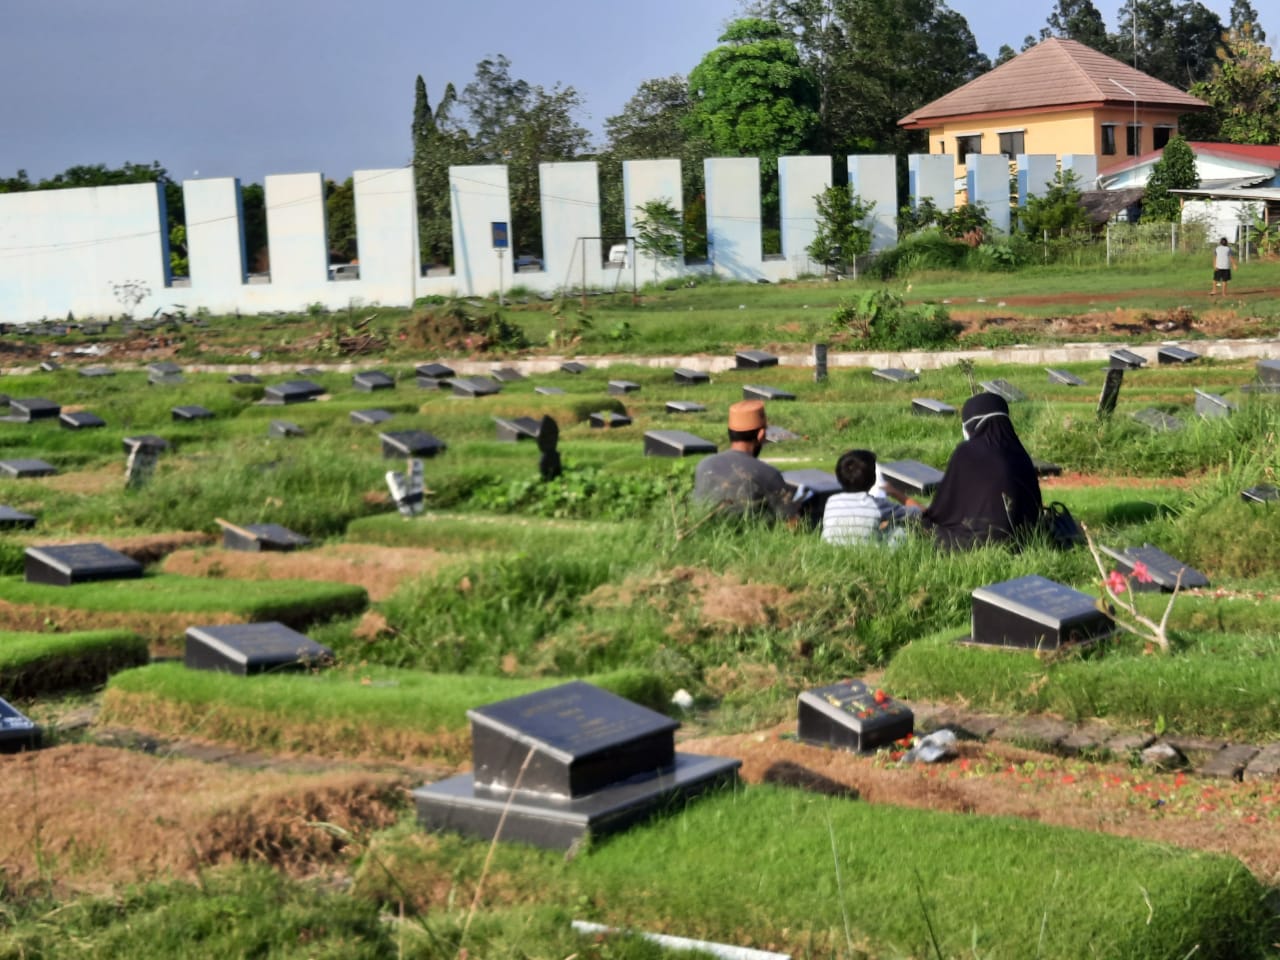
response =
{"points": [[1262, 493], [573, 366], [675, 443], [1167, 355], [410, 443], [24, 467], [17, 732], [607, 420], [148, 440], [684, 406], [1110, 393], [895, 375], [433, 371], [62, 565], [1003, 389], [371, 380], [291, 391], [850, 716], [927, 407], [557, 764], [758, 392], [511, 430], [81, 420], [11, 519], [1126, 359], [1064, 377], [1212, 406], [911, 475], [818, 485], [27, 409], [507, 375], [1164, 572], [686, 377], [754, 360], [192, 411], [474, 387], [251, 648], [1035, 613], [259, 537], [618, 387]]}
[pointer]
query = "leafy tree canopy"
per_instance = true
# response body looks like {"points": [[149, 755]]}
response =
{"points": [[842, 232], [1175, 170], [1176, 42], [1244, 92], [1058, 210]]}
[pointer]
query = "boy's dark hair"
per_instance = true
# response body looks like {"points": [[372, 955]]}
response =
{"points": [[1223, 242], [856, 471]]}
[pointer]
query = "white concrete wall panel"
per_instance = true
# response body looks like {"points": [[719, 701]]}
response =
{"points": [[215, 238], [62, 250], [296, 237], [644, 181], [874, 178], [988, 184], [734, 241], [480, 198], [386, 234], [570, 195], [1084, 166], [1035, 175], [932, 175], [800, 181]]}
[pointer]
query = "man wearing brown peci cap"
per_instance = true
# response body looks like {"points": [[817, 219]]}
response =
{"points": [[735, 481]]}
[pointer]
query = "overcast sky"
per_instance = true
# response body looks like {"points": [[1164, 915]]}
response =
{"points": [[250, 87]]}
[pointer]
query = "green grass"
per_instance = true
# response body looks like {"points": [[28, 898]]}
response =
{"points": [[348, 710], [40, 664]]}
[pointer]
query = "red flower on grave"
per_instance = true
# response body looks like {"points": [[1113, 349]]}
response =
{"points": [[1116, 582], [881, 697], [1140, 572]]}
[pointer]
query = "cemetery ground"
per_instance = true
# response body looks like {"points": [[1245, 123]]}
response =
{"points": [[180, 812]]}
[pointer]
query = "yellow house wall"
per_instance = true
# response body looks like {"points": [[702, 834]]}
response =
{"points": [[1076, 131]]}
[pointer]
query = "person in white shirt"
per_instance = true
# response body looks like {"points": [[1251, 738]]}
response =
{"points": [[1223, 262], [856, 515]]}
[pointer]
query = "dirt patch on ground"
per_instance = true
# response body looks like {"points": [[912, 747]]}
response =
{"points": [[87, 818], [163, 631], [1073, 479], [380, 570], [996, 779], [88, 482]]}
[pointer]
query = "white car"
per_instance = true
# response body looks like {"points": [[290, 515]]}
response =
{"points": [[618, 255]]}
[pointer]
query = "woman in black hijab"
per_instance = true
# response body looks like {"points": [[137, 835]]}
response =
{"points": [[990, 492]]}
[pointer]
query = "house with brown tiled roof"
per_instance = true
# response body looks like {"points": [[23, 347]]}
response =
{"points": [[1060, 97]]}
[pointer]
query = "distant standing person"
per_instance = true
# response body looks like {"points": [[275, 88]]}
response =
{"points": [[1223, 262]]}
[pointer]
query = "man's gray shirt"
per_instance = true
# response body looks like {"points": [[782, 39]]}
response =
{"points": [[737, 483]]}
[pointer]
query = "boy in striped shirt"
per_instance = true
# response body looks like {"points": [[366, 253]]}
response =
{"points": [[856, 515]]}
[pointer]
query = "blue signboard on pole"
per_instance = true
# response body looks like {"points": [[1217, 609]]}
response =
{"points": [[499, 228]]}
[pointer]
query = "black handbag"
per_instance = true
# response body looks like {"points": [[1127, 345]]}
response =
{"points": [[1059, 526]]}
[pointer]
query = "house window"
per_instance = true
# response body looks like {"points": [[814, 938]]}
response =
{"points": [[942, 146], [1014, 143], [1133, 139], [1108, 139], [1160, 137], [968, 145]]}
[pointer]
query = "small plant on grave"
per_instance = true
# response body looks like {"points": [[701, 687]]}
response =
{"points": [[571, 322], [1119, 589]]}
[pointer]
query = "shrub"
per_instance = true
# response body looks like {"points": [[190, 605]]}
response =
{"points": [[881, 319]]}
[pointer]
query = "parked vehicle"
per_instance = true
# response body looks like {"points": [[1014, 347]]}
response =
{"points": [[618, 255], [344, 271]]}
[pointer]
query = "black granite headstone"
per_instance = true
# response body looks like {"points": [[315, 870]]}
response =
{"points": [[369, 417], [192, 411], [1157, 420], [62, 565], [1164, 571], [607, 420], [1064, 377], [573, 366], [433, 371], [1176, 355], [850, 716], [260, 537], [757, 392], [22, 468], [684, 406], [252, 648], [686, 377], [818, 487], [371, 380], [145, 440], [895, 375], [1212, 405], [675, 443], [474, 387], [911, 476], [1262, 493], [924, 406], [11, 519], [820, 363], [27, 409], [507, 375], [1110, 393], [754, 360], [410, 443], [141, 465], [291, 391], [97, 371], [548, 391], [284, 428], [81, 420], [1004, 389], [1125, 359], [243, 379], [1046, 469], [1035, 613], [517, 428], [618, 387], [557, 764], [17, 732]]}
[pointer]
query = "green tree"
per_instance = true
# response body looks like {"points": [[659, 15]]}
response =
{"points": [[1176, 43], [179, 266], [1244, 21], [340, 220], [16, 184], [253, 202], [435, 148], [658, 231], [1004, 55], [1078, 20], [1175, 170], [1058, 210], [520, 124], [841, 233], [1244, 92]]}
